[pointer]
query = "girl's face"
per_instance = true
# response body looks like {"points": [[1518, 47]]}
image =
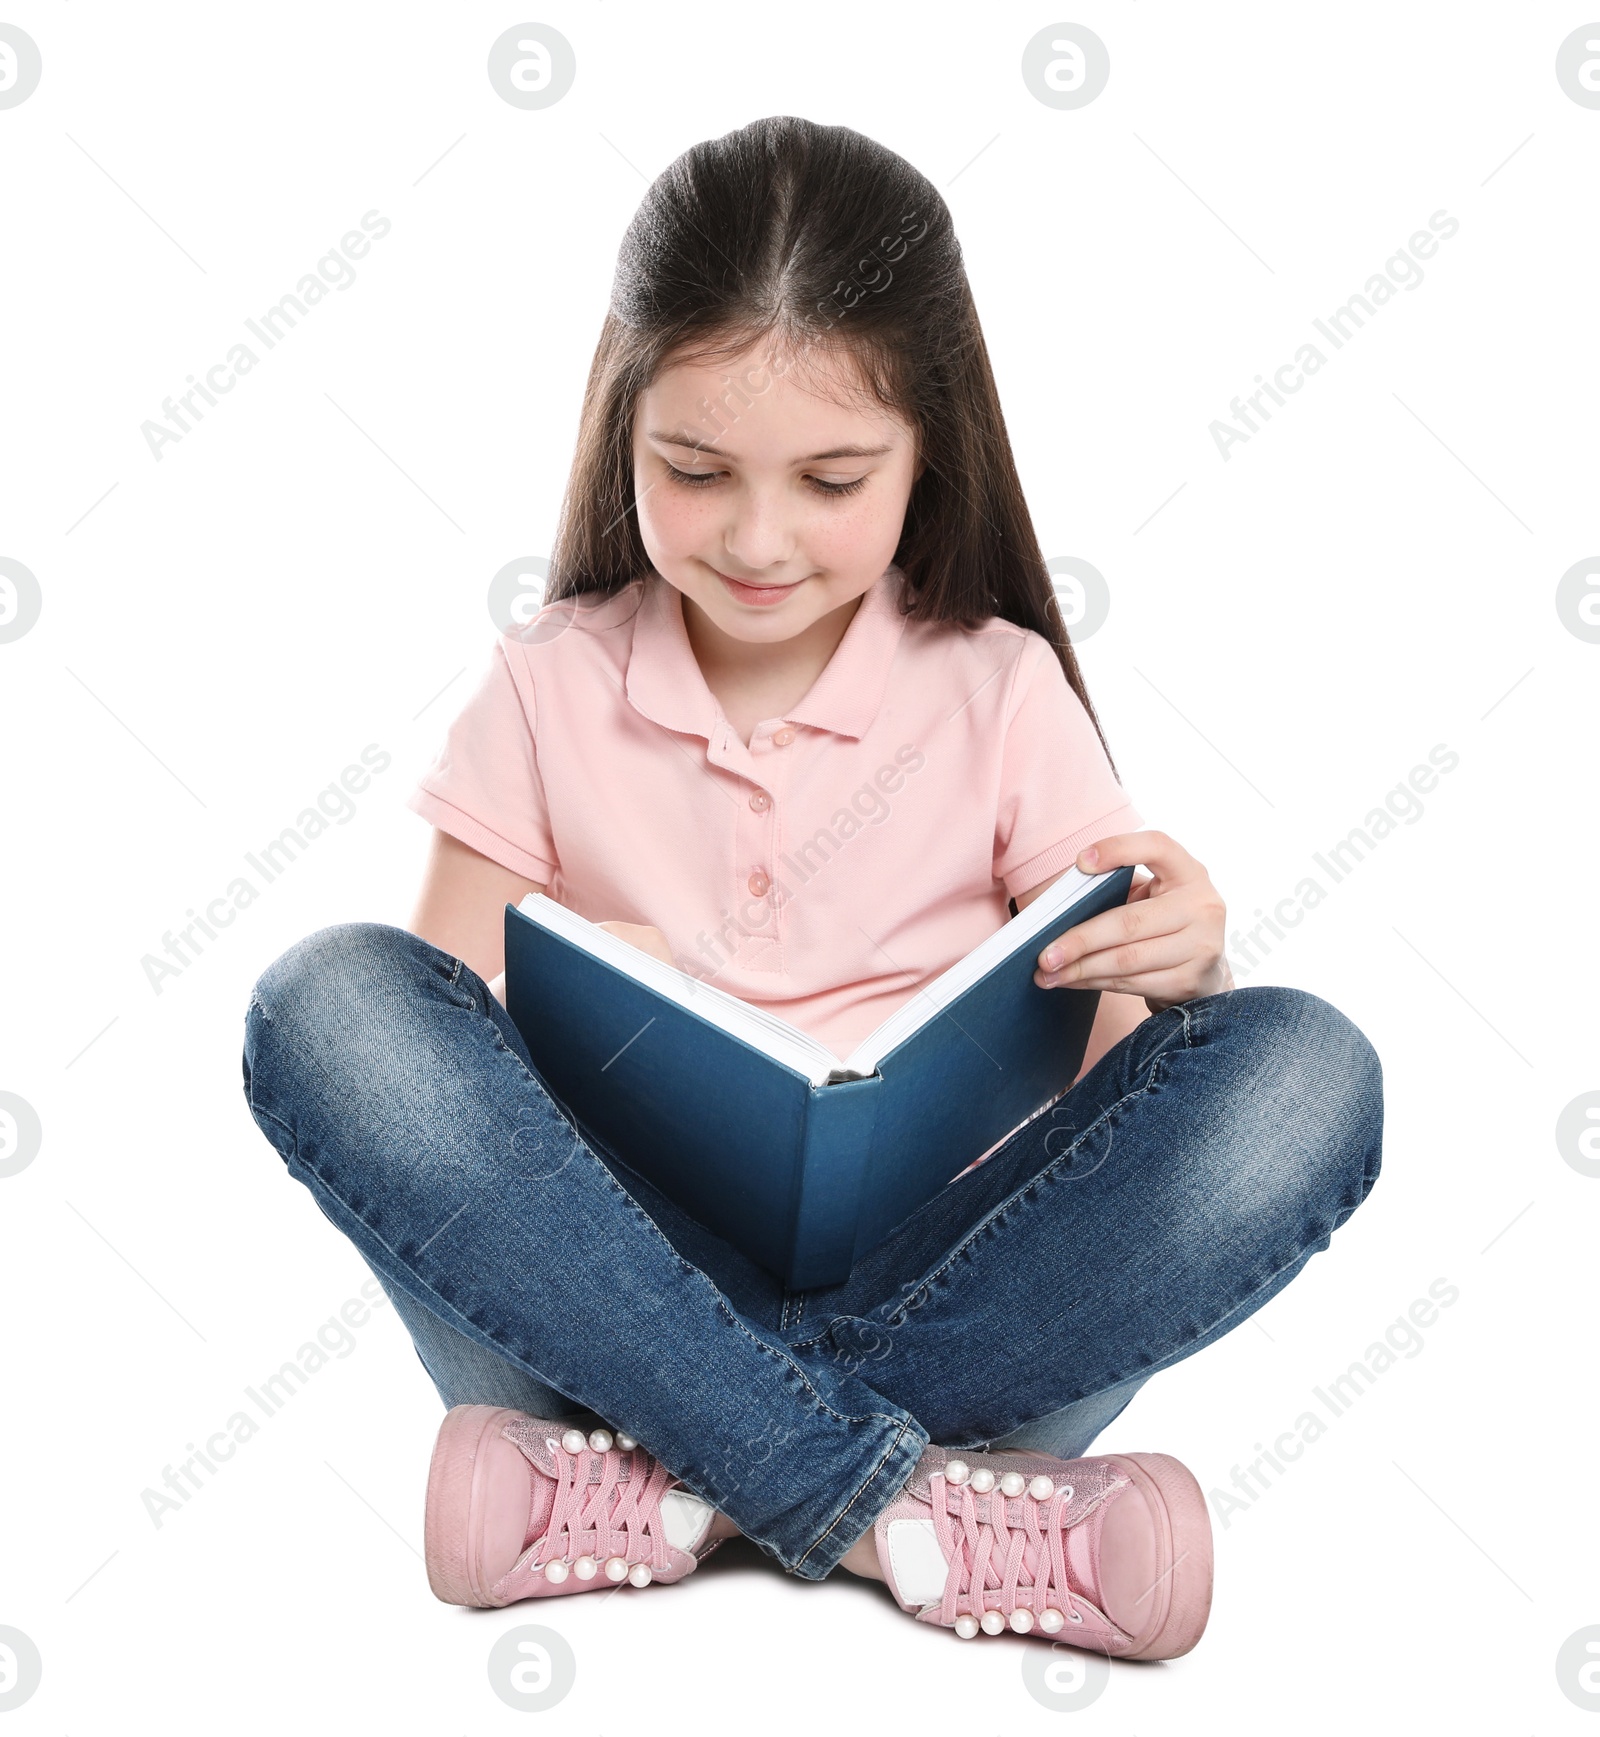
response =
{"points": [[762, 497]]}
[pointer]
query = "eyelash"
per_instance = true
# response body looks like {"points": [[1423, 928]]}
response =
{"points": [[703, 479]]}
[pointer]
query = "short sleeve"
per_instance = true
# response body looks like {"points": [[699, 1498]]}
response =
{"points": [[1057, 789], [484, 785]]}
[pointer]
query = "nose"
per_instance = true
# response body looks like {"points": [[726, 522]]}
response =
{"points": [[759, 534]]}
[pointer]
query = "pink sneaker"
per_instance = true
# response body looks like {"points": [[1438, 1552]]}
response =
{"points": [[519, 1507], [1109, 1553]]}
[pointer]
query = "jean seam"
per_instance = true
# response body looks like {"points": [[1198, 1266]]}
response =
{"points": [[445, 1306], [819, 1403], [1304, 1245], [446, 1310], [915, 1298], [596, 1145], [277, 1122], [689, 1267], [695, 1273], [260, 1111], [466, 999], [1346, 1207], [1153, 1367], [441, 1306]]}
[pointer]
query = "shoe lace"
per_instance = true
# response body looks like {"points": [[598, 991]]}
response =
{"points": [[618, 1514], [994, 1565]]}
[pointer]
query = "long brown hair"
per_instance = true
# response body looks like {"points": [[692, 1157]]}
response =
{"points": [[805, 235]]}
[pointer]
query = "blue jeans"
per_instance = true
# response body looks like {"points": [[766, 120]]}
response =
{"points": [[1172, 1191]]}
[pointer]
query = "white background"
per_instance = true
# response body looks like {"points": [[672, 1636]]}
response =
{"points": [[1290, 632]]}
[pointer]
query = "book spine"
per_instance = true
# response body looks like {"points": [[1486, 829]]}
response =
{"points": [[836, 1155]]}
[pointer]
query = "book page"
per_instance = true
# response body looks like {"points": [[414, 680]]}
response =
{"points": [[1043, 914], [779, 1039], [753, 1025]]}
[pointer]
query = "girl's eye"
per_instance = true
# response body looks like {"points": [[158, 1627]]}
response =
{"points": [[699, 479], [693, 478]]}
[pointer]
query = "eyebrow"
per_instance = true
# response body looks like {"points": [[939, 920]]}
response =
{"points": [[680, 437]]}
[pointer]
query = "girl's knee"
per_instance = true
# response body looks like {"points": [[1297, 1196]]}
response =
{"points": [[324, 980], [1310, 1080], [1305, 1043], [327, 1018], [331, 1004]]}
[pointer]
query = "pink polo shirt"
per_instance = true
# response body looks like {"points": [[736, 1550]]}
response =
{"points": [[860, 845]]}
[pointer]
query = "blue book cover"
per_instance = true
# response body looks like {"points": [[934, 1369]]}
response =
{"points": [[801, 1159]]}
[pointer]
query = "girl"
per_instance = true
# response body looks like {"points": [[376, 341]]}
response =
{"points": [[794, 566]]}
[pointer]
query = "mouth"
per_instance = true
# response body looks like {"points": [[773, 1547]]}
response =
{"points": [[762, 596]]}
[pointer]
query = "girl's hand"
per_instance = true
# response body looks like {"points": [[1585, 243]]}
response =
{"points": [[1165, 943], [645, 936]]}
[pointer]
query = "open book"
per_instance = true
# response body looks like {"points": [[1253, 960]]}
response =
{"points": [[801, 1159]]}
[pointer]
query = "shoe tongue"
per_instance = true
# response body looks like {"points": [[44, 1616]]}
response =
{"points": [[1084, 1513], [542, 1499], [537, 1440], [1080, 1552], [538, 1444]]}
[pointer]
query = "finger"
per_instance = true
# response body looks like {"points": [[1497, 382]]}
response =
{"points": [[1150, 916], [1115, 966], [1157, 986], [1156, 850]]}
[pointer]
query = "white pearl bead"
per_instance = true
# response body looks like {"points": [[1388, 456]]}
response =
{"points": [[1013, 1483], [574, 1441], [1042, 1488], [555, 1571], [956, 1471], [983, 1480], [585, 1567], [616, 1568], [1022, 1620], [993, 1622], [966, 1626], [626, 1442], [1050, 1620], [600, 1440], [640, 1575]]}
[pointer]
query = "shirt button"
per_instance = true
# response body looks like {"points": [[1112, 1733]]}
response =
{"points": [[758, 883], [783, 738], [761, 802]]}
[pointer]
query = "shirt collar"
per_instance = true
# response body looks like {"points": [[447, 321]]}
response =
{"points": [[665, 684]]}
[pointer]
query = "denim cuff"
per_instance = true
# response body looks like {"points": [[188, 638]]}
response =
{"points": [[862, 1507]]}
